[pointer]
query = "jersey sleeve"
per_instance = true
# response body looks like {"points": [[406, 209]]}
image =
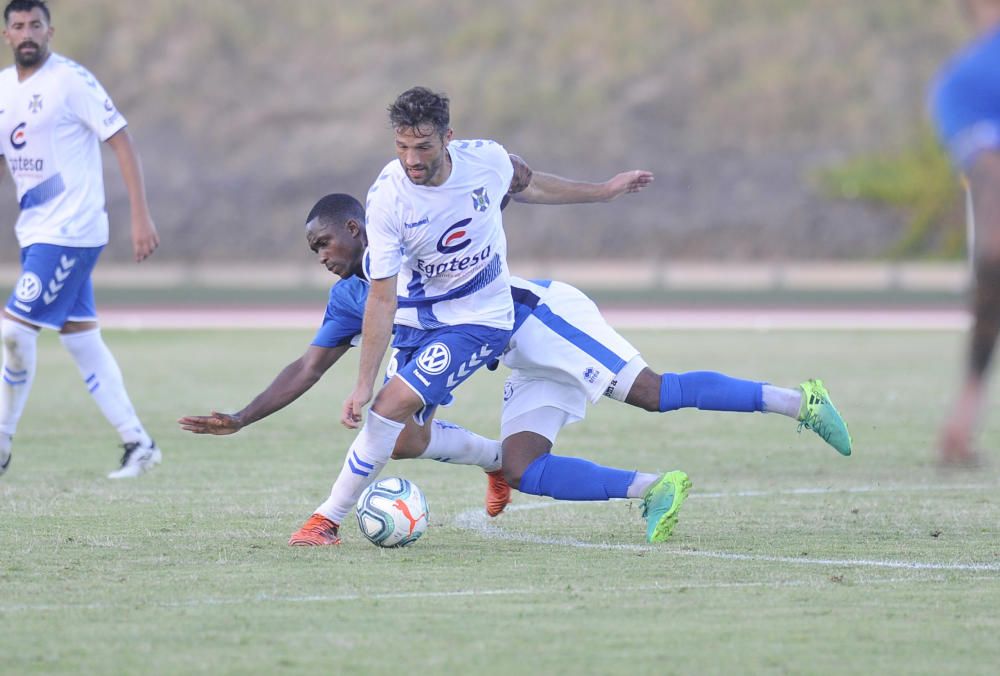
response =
{"points": [[344, 315], [503, 165], [966, 112], [90, 103], [385, 244]]}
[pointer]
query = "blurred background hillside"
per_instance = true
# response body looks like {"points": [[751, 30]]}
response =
{"points": [[777, 129]]}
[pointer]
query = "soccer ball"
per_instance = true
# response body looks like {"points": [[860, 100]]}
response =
{"points": [[392, 513]]}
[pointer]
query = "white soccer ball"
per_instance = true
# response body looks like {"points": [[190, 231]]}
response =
{"points": [[392, 512]]}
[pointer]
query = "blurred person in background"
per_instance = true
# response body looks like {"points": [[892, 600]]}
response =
{"points": [[54, 114], [965, 104]]}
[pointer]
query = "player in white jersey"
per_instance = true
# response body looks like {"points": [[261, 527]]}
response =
{"points": [[437, 255], [53, 117]]}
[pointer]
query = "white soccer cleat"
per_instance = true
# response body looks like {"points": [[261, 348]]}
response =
{"points": [[137, 459]]}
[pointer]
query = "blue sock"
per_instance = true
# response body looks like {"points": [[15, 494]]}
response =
{"points": [[565, 478], [710, 391]]}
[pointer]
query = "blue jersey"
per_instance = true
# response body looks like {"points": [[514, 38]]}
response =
{"points": [[965, 100], [345, 313]]}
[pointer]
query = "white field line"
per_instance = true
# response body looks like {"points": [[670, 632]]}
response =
{"points": [[476, 520], [760, 319], [461, 593]]}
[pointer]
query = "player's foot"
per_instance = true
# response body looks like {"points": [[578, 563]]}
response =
{"points": [[5, 452], [315, 532], [818, 414], [661, 502], [137, 459], [497, 493]]}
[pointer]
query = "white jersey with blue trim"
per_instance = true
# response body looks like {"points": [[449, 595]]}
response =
{"points": [[51, 128], [446, 243]]}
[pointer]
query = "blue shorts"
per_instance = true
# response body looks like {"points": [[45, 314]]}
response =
{"points": [[434, 362], [55, 286]]}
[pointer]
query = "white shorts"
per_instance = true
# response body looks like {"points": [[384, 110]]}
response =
{"points": [[562, 356]]}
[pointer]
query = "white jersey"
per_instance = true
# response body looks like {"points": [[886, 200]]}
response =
{"points": [[447, 242], [51, 128]]}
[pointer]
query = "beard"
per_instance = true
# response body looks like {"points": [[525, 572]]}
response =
{"points": [[27, 58]]}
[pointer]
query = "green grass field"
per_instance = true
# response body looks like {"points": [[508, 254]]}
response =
{"points": [[788, 558]]}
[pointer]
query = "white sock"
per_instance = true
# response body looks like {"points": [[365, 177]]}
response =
{"points": [[640, 483], [366, 457], [20, 356], [782, 400], [104, 380], [457, 445]]}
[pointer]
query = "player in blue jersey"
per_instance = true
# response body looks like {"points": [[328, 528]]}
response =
{"points": [[965, 104], [54, 116], [562, 354]]}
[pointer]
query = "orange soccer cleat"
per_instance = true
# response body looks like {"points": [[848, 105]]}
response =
{"points": [[497, 493], [315, 532]]}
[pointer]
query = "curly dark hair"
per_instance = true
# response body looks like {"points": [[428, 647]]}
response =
{"points": [[420, 107], [26, 6]]}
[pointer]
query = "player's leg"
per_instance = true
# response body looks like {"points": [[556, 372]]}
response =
{"points": [[447, 442], [810, 403], [43, 298], [961, 426], [534, 412], [103, 380], [101, 374], [20, 351], [430, 364]]}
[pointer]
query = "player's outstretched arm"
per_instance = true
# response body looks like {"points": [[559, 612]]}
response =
{"points": [[289, 385], [380, 311], [542, 188], [145, 239]]}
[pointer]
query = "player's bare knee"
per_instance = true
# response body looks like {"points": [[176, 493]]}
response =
{"points": [[16, 336]]}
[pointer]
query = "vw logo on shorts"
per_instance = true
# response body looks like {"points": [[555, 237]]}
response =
{"points": [[434, 359], [29, 287]]}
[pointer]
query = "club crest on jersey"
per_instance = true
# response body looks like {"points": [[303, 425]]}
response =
{"points": [[35, 105], [480, 200], [18, 138], [434, 359], [454, 238], [29, 287]]}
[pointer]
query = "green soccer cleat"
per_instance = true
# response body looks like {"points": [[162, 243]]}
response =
{"points": [[661, 502], [818, 414]]}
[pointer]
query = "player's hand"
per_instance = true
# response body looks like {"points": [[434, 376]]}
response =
{"points": [[216, 423], [351, 415], [145, 238], [628, 181]]}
